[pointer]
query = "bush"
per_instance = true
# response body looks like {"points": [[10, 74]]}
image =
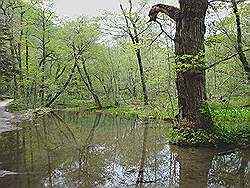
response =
{"points": [[17, 105]]}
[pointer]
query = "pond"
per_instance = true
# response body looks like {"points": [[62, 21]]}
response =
{"points": [[72, 149]]}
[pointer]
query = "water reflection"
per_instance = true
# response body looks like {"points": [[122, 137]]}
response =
{"points": [[98, 150]]}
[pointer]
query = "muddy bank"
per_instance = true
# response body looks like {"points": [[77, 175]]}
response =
{"points": [[6, 118]]}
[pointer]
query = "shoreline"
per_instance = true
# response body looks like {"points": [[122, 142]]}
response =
{"points": [[6, 118]]}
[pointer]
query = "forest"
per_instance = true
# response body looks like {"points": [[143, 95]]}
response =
{"points": [[154, 94], [124, 64]]}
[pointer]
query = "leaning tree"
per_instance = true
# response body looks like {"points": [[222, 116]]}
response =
{"points": [[190, 60]]}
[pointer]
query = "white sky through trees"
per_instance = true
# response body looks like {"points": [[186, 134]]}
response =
{"points": [[75, 8]]}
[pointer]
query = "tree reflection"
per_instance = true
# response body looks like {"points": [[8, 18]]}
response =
{"points": [[140, 179], [231, 169], [194, 166], [209, 168]]}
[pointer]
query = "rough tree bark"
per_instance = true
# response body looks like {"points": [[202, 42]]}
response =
{"points": [[189, 50]]}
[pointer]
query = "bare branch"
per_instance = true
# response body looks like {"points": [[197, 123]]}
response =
{"points": [[225, 59], [173, 12], [163, 31], [155, 38], [127, 23]]}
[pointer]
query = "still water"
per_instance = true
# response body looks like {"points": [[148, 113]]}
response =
{"points": [[68, 150]]}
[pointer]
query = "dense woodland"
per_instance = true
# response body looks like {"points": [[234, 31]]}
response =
{"points": [[119, 59]]}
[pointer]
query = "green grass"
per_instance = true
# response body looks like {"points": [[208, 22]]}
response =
{"points": [[231, 126]]}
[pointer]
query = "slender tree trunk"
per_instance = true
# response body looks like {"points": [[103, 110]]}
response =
{"points": [[89, 85], [19, 50], [43, 61], [92, 90], [35, 96], [142, 75], [87, 82], [27, 67], [132, 87], [20, 62], [27, 56], [15, 81], [63, 88], [12, 51], [139, 59], [242, 55], [133, 34], [43, 84]]}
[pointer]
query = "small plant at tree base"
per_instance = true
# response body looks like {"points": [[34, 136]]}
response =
{"points": [[231, 127], [194, 137]]}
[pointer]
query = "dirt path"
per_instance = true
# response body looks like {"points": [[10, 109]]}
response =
{"points": [[6, 117]]}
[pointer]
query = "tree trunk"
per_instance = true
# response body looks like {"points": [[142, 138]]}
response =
{"points": [[44, 56], [242, 56], [19, 48], [135, 40], [12, 50], [143, 81], [27, 67], [189, 49], [87, 82], [64, 86], [91, 88], [89, 85], [27, 56]]}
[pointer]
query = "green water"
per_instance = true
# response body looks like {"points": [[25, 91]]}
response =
{"points": [[67, 150]]}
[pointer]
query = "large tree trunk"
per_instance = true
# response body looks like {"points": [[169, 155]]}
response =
{"points": [[189, 46], [189, 49]]}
